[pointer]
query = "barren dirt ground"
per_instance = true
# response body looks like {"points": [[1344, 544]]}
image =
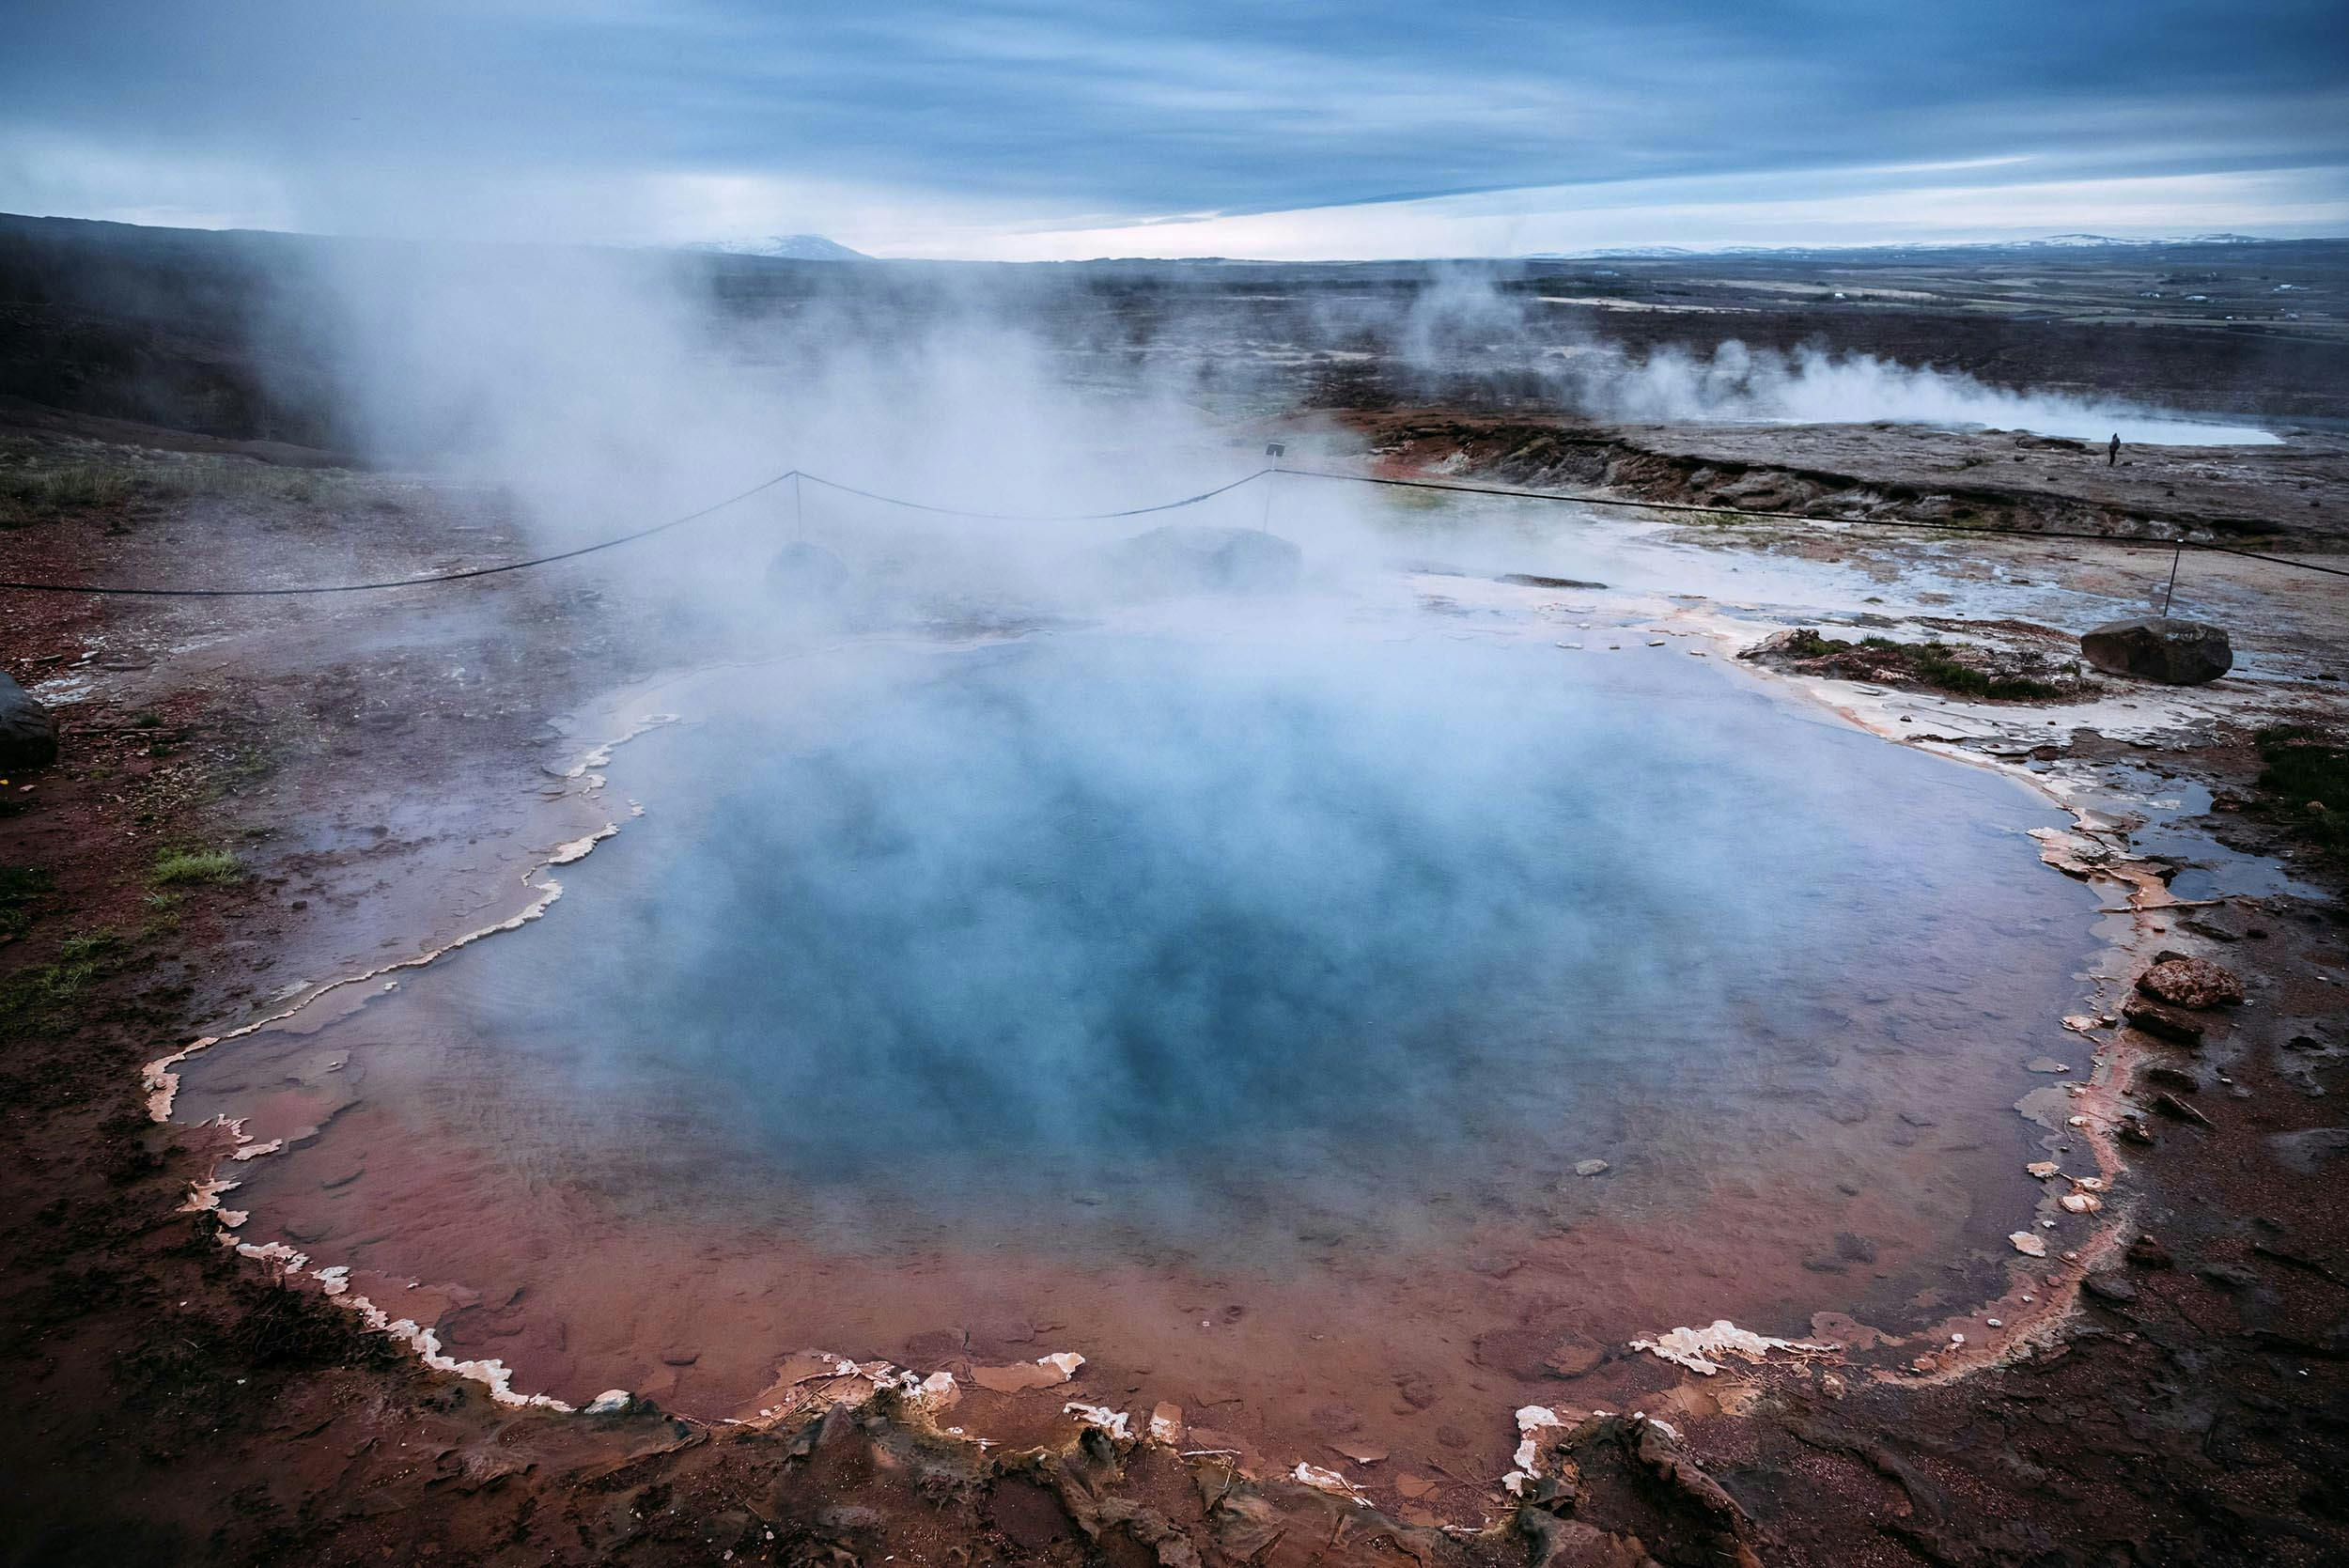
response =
{"points": [[378, 765], [2286, 497]]}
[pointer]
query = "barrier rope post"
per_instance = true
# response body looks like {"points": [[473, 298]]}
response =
{"points": [[1276, 451], [798, 531], [2176, 556]]}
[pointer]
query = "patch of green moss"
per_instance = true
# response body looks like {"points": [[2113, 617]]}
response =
{"points": [[31, 494], [46, 998], [20, 885], [1935, 667], [2306, 782], [1934, 664], [195, 865]]}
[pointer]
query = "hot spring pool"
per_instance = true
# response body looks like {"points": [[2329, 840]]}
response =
{"points": [[1234, 1010]]}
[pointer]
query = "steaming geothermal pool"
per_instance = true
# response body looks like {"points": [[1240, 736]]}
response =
{"points": [[1231, 1009]]}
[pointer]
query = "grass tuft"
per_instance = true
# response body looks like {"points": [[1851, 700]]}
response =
{"points": [[1935, 664], [20, 885], [29, 494], [1935, 667], [2306, 782], [38, 488], [195, 865], [46, 1000]]}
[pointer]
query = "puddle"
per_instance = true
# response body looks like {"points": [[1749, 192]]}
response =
{"points": [[1236, 1011], [2163, 818]]}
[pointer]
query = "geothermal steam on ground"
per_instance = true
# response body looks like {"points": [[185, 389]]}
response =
{"points": [[604, 391], [1812, 386], [1462, 319]]}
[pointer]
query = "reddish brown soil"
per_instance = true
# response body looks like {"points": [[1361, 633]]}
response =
{"points": [[173, 1405]]}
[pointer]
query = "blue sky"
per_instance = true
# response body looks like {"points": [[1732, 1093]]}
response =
{"points": [[1088, 127]]}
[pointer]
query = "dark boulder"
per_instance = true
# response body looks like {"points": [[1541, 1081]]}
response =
{"points": [[1189, 558], [28, 737], [2161, 1023], [2111, 1287], [2152, 647]]}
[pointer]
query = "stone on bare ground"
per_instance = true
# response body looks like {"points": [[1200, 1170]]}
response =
{"points": [[28, 735], [2156, 647], [2177, 1109], [1415, 1392], [1046, 1372], [2110, 1287], [2161, 1023], [1573, 1356], [2185, 982]]}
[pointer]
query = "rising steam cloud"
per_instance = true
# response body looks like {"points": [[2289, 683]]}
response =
{"points": [[1813, 386], [1462, 325]]}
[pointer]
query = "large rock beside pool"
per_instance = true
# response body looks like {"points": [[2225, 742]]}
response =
{"points": [[28, 737], [1188, 558], [2156, 647]]}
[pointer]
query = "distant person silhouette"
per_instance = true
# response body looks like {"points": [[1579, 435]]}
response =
{"points": [[2112, 453]]}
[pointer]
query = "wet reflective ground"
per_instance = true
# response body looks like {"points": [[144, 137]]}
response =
{"points": [[1234, 1009]]}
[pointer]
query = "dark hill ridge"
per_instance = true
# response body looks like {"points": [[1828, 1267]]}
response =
{"points": [[230, 333]]}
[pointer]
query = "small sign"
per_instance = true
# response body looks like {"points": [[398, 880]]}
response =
{"points": [[1276, 450]]}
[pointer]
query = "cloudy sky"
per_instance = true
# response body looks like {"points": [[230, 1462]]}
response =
{"points": [[1075, 128]]}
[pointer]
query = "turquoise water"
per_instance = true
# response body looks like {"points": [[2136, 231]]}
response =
{"points": [[1216, 932]]}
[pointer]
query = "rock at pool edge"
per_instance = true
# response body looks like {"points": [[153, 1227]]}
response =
{"points": [[2154, 647]]}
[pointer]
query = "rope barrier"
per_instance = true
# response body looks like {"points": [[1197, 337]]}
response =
{"points": [[1023, 517], [116, 590], [121, 590], [126, 591]]}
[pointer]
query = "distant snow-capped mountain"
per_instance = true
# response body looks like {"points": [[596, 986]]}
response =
{"points": [[1615, 252], [2076, 242], [785, 247]]}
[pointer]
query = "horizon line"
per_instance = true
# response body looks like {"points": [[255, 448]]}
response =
{"points": [[741, 250]]}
